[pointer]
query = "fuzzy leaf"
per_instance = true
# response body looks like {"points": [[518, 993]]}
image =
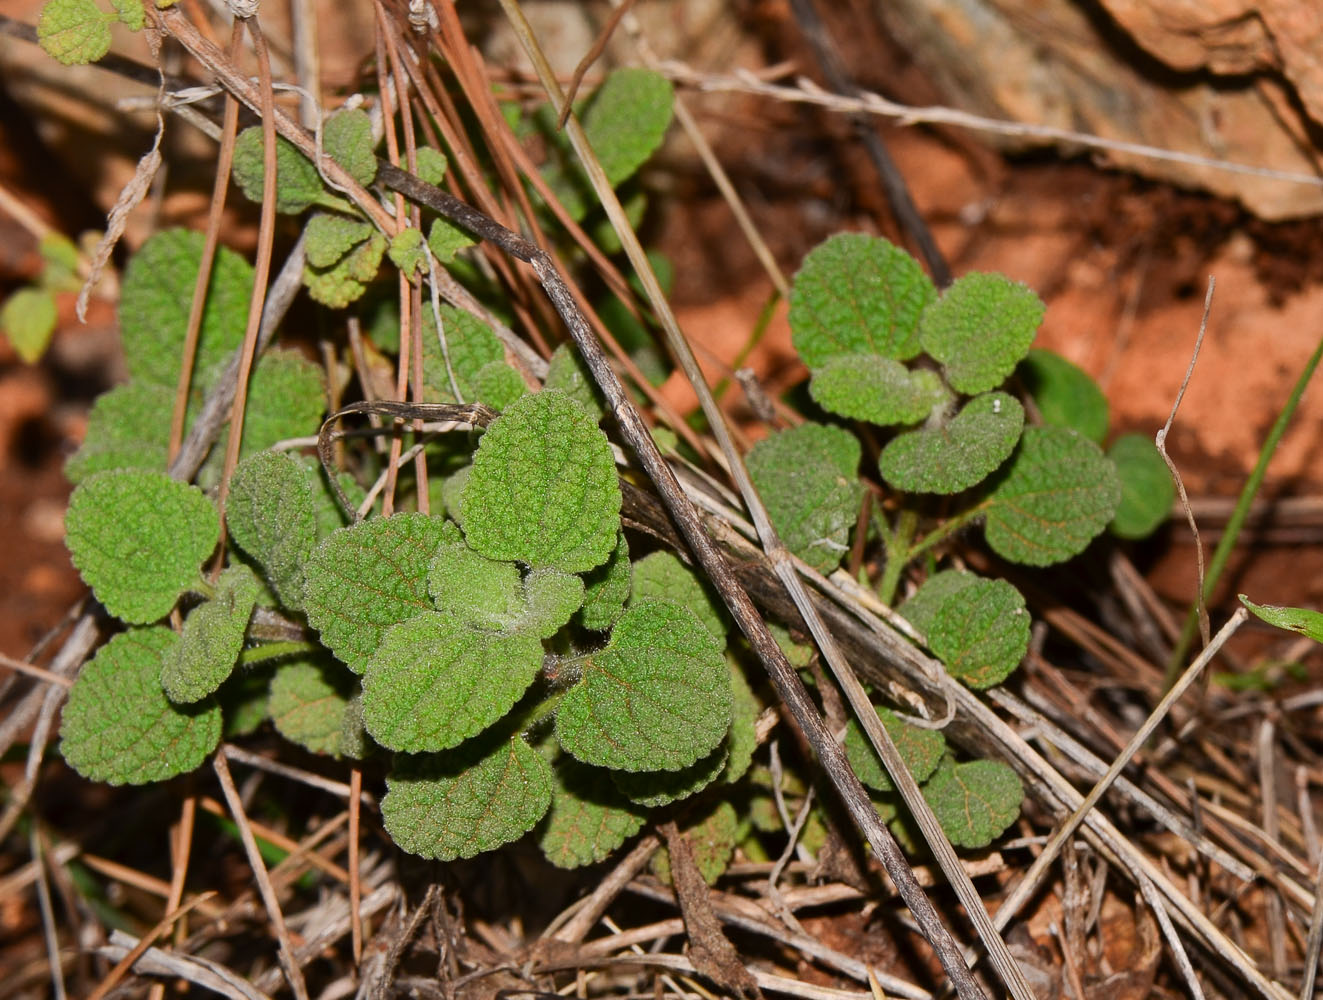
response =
{"points": [[743, 736], [472, 347], [347, 139], [981, 632], [298, 186], [566, 371], [406, 252], [1065, 395], [74, 31], [920, 749], [589, 818], [712, 836], [434, 682], [1300, 620], [486, 793], [607, 588], [1055, 495], [1147, 491], [626, 119], [286, 399], [308, 702], [980, 329], [543, 489], [550, 600], [431, 165], [212, 638], [155, 298], [974, 802], [272, 517], [128, 428], [808, 478], [445, 239], [480, 592], [119, 727], [660, 576], [922, 608], [498, 385], [329, 236], [657, 698], [346, 280], [653, 789], [138, 539], [959, 454], [877, 389], [857, 294], [130, 13], [28, 319], [363, 579]]}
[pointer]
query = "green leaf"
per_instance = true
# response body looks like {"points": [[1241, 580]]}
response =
{"points": [[957, 454], [128, 428], [626, 119], [921, 609], [1300, 620], [243, 700], [472, 347], [653, 789], [980, 329], [481, 592], [434, 682], [1065, 395], [974, 802], [406, 252], [712, 837], [486, 793], [498, 385], [808, 478], [857, 294], [118, 725], [309, 699], [657, 698], [74, 31], [28, 319], [543, 489], [589, 818], [272, 517], [566, 371], [329, 236], [138, 539], [298, 185], [920, 749], [354, 739], [607, 588], [363, 579], [130, 13], [445, 239], [212, 638], [1056, 494], [346, 280], [1147, 490], [550, 600], [743, 736], [981, 632], [660, 576], [431, 165], [877, 389], [347, 139], [60, 262], [156, 296], [286, 399]]}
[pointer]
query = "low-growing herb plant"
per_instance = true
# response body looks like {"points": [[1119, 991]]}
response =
{"points": [[499, 647]]}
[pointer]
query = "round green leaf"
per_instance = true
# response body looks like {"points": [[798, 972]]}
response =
{"points": [[920, 749], [363, 579], [550, 600], [567, 371], [808, 478], [308, 701], [74, 31], [606, 589], [589, 818], [980, 329], [981, 632], [118, 725], [138, 539], [434, 682], [298, 185], [28, 320], [347, 139], [1056, 494], [657, 698], [974, 802], [126, 429], [626, 118], [1147, 490], [271, 515], [959, 454], [212, 638], [660, 788], [286, 399], [712, 836], [479, 591], [877, 389], [660, 576], [1065, 395], [328, 236], [857, 294], [920, 609], [543, 489], [486, 793], [743, 736]]}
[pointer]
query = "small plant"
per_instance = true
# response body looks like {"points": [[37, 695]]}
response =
{"points": [[496, 645]]}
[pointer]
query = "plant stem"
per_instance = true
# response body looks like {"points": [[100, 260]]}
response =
{"points": [[946, 529], [1237, 521], [755, 338], [898, 553], [254, 655]]}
